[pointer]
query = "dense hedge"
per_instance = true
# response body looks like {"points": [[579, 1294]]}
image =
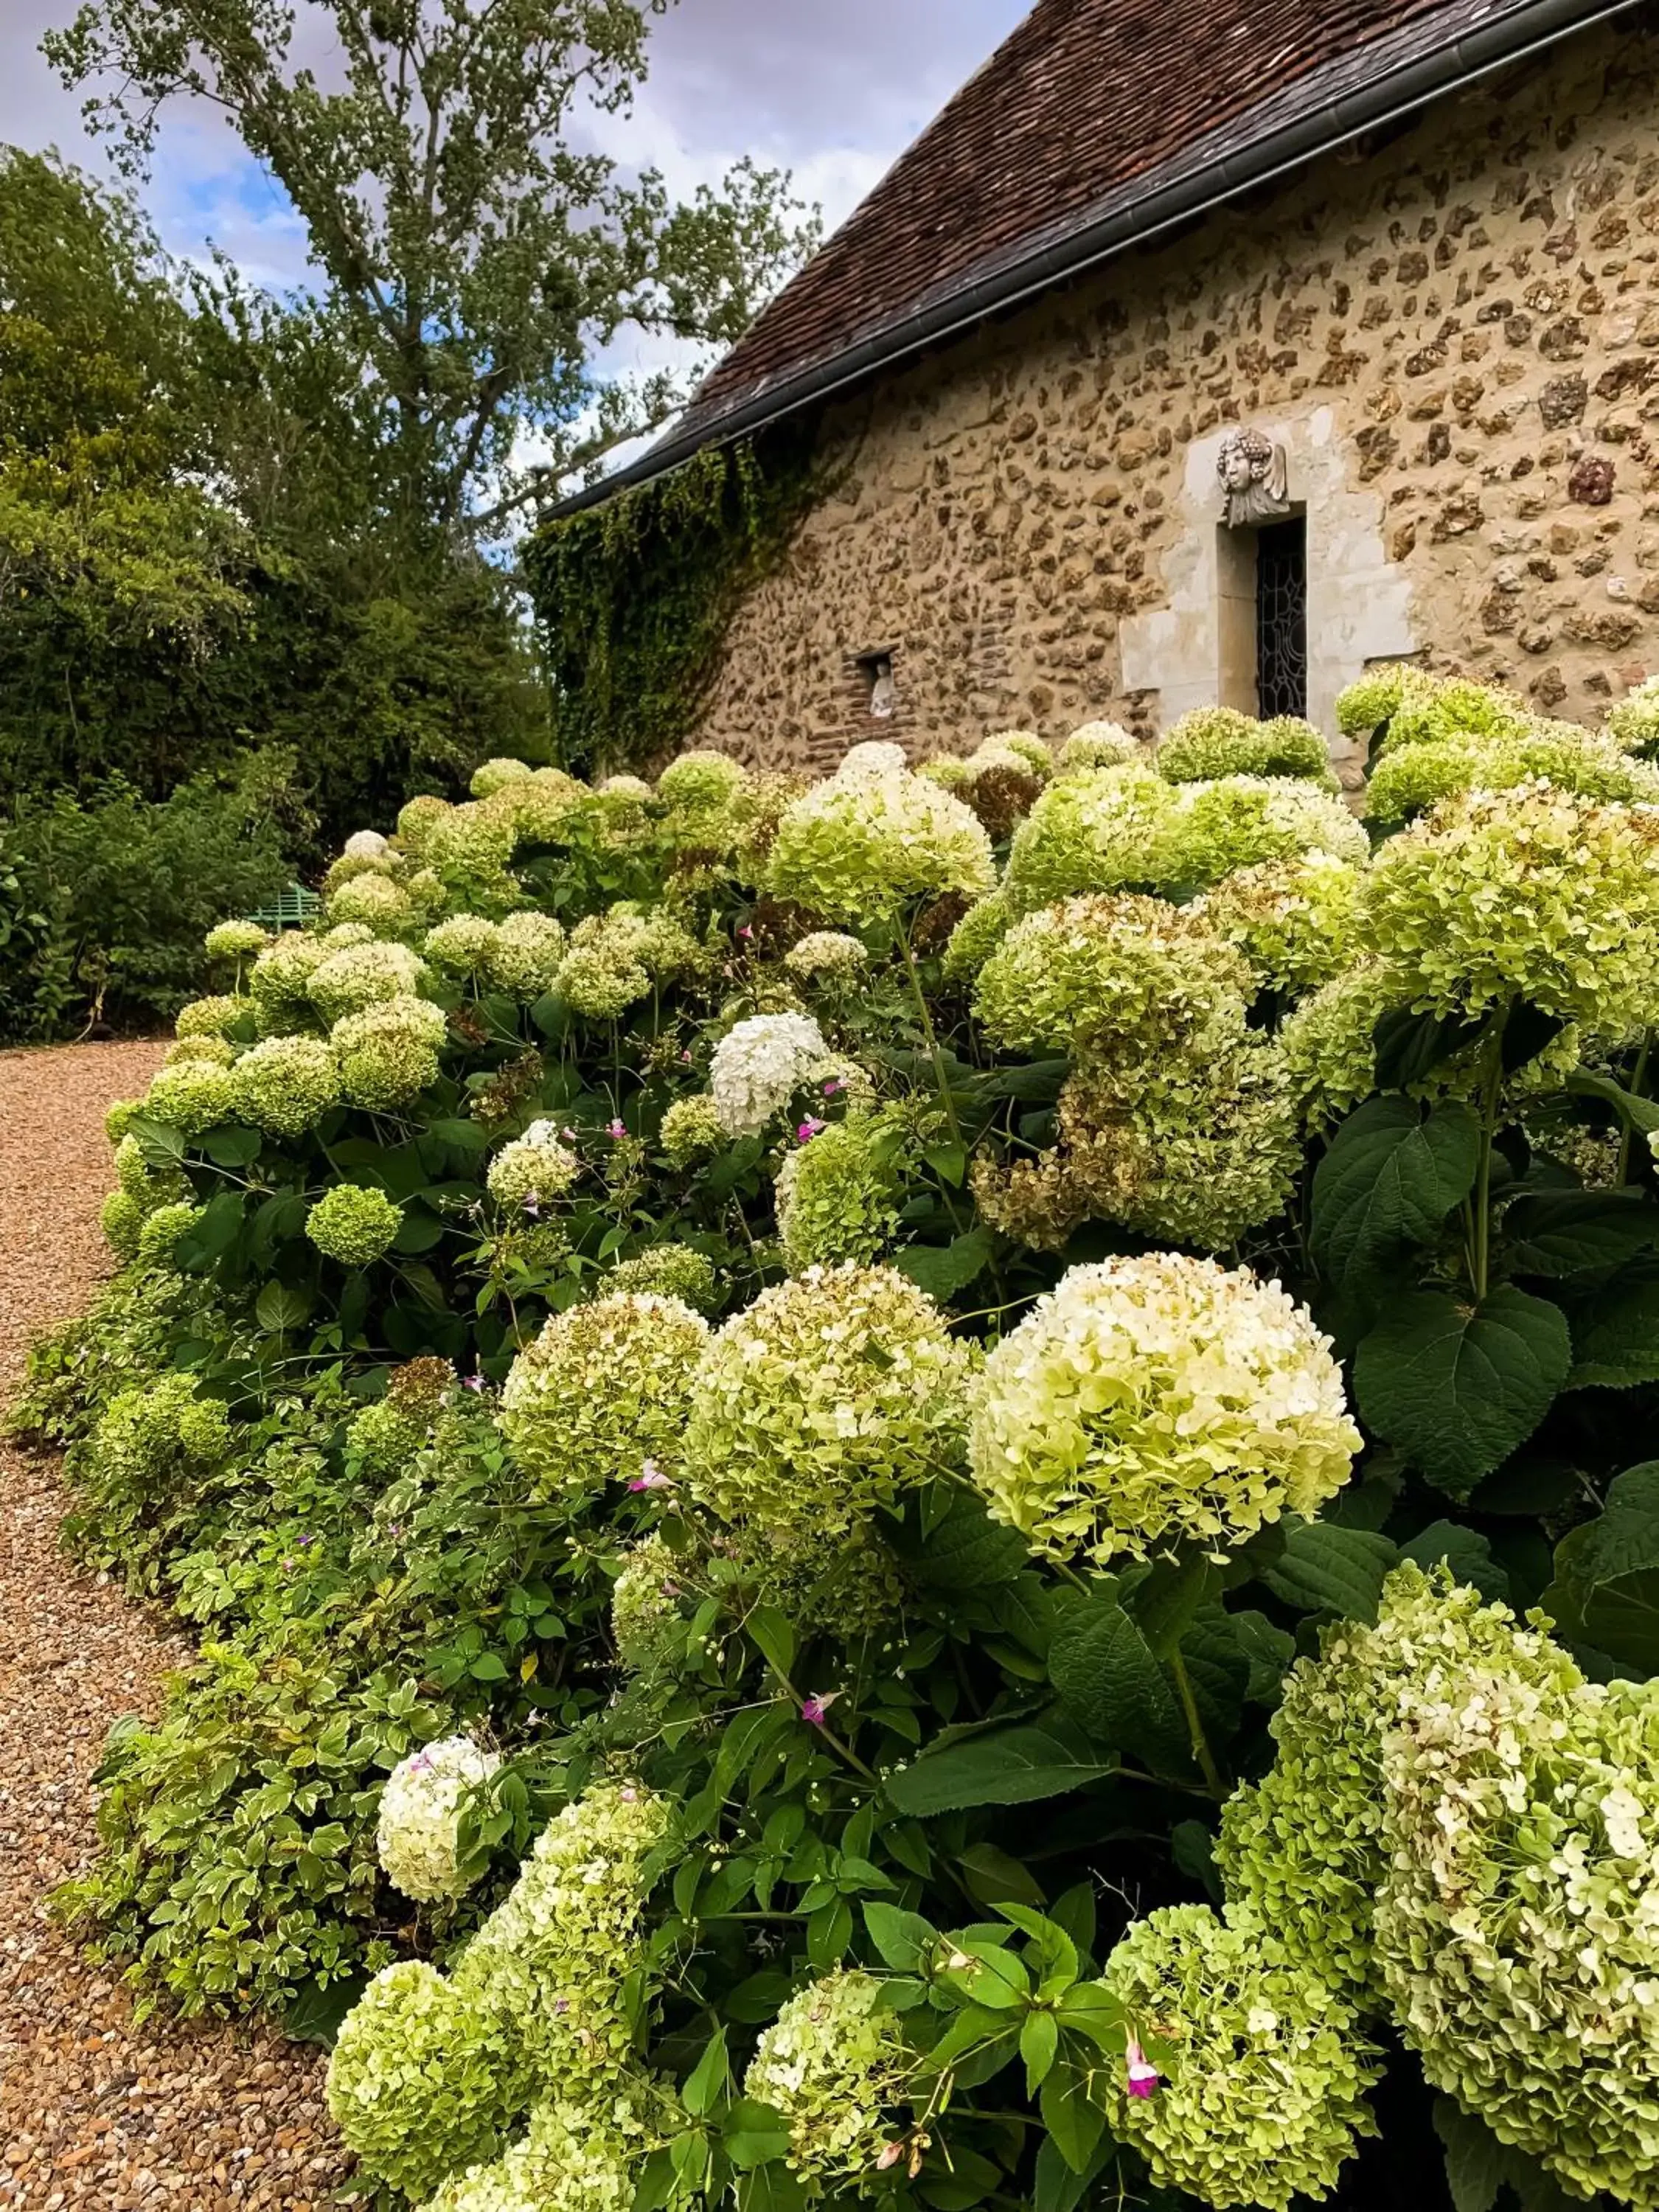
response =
{"points": [[863, 1463]]}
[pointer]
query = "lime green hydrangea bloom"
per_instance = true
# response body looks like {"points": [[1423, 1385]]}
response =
{"points": [[864, 850], [1097, 831], [691, 1130], [830, 1397], [354, 1224], [387, 1055], [421, 2079], [839, 1197], [1238, 820], [1263, 2069], [1327, 1044], [143, 1432], [1100, 745], [554, 1958], [375, 900], [144, 1180], [1306, 1848], [602, 1390], [384, 1439], [1295, 921], [524, 956], [534, 1168], [158, 1239], [1530, 894], [1158, 1400], [545, 808], [1432, 709], [1218, 741], [121, 1218], [285, 1085], [464, 945], [360, 975], [469, 848], [416, 818], [977, 937], [574, 2157], [1409, 782], [280, 983], [1374, 698], [837, 2066], [1114, 976], [493, 775], [1518, 1925], [644, 1604], [702, 781], [1633, 724], [216, 1051], [235, 941], [192, 1096], [673, 1270], [210, 1017]]}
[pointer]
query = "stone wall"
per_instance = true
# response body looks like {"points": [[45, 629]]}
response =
{"points": [[1457, 335]]}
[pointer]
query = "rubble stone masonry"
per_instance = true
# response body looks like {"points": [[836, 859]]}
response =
{"points": [[1455, 335]]}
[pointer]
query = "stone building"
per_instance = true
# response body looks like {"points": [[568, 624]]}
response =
{"points": [[1202, 352]]}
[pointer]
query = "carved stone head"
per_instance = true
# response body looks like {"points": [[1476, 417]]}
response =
{"points": [[1254, 478]]}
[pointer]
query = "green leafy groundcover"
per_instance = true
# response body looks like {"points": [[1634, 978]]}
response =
{"points": [[864, 1467]]}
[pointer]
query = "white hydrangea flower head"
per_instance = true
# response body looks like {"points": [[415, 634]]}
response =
{"points": [[366, 845], [235, 940], [758, 1067], [604, 1387], [875, 757], [533, 1169], [836, 2065], [1100, 745], [1158, 1399], [464, 945], [493, 775], [420, 1817], [826, 955], [376, 902]]}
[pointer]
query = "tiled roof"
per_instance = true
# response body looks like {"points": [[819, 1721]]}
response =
{"points": [[1088, 107]]}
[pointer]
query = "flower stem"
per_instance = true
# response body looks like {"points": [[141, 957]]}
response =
{"points": [[1491, 1084], [1635, 1087], [1202, 1751]]}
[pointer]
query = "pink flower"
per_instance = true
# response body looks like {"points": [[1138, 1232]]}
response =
{"points": [[569, 1136], [616, 1129], [685, 1057], [891, 2156], [651, 1477], [834, 1084], [745, 931], [809, 1128], [473, 1383], [816, 1711], [1142, 2079], [532, 1205]]}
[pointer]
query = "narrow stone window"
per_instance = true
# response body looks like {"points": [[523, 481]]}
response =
{"points": [[1281, 618]]}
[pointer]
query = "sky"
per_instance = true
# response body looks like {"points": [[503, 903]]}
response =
{"points": [[833, 89]]}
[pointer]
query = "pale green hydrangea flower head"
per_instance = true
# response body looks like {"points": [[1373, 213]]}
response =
{"points": [[837, 2066], [120, 1116], [1634, 722], [1097, 831], [1263, 2069], [673, 1270], [826, 956], [493, 775], [1100, 745], [415, 820], [524, 960], [360, 975], [1374, 698], [192, 1096], [644, 1603], [553, 1959], [1238, 820], [1517, 1926], [1409, 782], [150, 1186], [1306, 1848], [830, 1397], [1531, 894], [421, 2079], [1218, 741], [376, 902], [691, 1130], [209, 1017], [975, 938], [158, 1239], [387, 1055], [1113, 976], [839, 1197], [870, 761], [574, 2157], [1024, 746], [1327, 1044], [121, 1218], [384, 1439], [1432, 709], [533, 1169], [702, 781], [861, 851], [1295, 921], [469, 848], [235, 941], [604, 1388], [218, 1051], [949, 770], [545, 807], [758, 1067], [464, 945], [1158, 1400], [354, 1224], [612, 962], [280, 982], [285, 1085], [143, 1432], [418, 1838]]}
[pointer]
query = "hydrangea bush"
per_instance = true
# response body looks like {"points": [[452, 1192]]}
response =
{"points": [[875, 1474]]}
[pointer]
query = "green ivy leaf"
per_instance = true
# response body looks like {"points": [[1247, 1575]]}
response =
{"points": [[1388, 1183], [1458, 1388], [279, 1307]]}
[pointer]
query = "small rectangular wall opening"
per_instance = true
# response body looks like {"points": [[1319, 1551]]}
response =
{"points": [[1281, 618]]}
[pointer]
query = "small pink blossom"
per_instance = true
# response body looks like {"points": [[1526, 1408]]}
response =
{"points": [[1143, 2078], [569, 1136], [833, 1086], [809, 1127], [651, 1477], [816, 1710], [891, 2156], [616, 1129], [745, 931], [532, 1205], [473, 1383], [685, 1057]]}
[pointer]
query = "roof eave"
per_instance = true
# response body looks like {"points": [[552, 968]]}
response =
{"points": [[1512, 37]]}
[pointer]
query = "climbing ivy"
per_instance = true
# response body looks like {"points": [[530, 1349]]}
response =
{"points": [[636, 597]]}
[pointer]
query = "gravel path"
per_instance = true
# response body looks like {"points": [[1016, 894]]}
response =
{"points": [[94, 2111]]}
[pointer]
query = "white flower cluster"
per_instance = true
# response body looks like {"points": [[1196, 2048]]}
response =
{"points": [[759, 1066], [536, 1167], [420, 1816]]}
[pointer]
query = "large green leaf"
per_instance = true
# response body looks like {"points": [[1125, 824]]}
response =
{"points": [[1634, 1111], [1113, 1687], [1326, 1569], [1480, 2168], [1411, 1046], [1606, 1590], [1615, 1335], [1002, 1766], [942, 1270], [1458, 1388], [965, 1549], [1465, 1550], [1576, 1232], [1390, 1178]]}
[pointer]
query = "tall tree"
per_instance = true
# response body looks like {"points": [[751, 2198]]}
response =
{"points": [[483, 255]]}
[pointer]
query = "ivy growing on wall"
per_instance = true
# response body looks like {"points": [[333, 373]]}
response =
{"points": [[636, 597]]}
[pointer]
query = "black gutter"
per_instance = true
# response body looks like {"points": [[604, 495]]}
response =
{"points": [[1516, 36]]}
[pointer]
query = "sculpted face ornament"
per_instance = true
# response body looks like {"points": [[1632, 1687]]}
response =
{"points": [[1254, 478]]}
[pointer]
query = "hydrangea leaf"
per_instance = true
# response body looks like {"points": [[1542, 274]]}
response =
{"points": [[1390, 1178], [1326, 1569], [1478, 2168], [942, 1270], [1111, 1684], [1576, 1232], [1016, 1765], [1606, 1589], [1458, 1388], [966, 1549], [1466, 1552], [1410, 1046], [1615, 1336]]}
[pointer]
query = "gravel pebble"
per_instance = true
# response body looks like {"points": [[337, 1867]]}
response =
{"points": [[93, 2109]]}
